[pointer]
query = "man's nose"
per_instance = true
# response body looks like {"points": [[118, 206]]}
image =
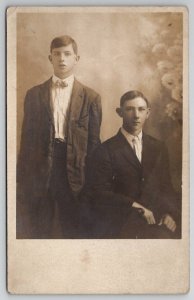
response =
{"points": [[62, 57], [136, 113]]}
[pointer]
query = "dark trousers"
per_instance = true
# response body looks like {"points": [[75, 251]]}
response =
{"points": [[107, 223], [61, 209], [137, 227]]}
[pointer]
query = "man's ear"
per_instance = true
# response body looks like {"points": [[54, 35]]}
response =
{"points": [[148, 113], [77, 58], [119, 112], [50, 58]]}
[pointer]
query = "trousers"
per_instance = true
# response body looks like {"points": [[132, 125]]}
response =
{"points": [[60, 206]]}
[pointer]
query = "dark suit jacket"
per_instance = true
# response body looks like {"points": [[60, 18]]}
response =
{"points": [[117, 179], [83, 129]]}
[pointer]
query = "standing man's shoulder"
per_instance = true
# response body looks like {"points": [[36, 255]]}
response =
{"points": [[33, 95], [37, 88], [89, 92]]}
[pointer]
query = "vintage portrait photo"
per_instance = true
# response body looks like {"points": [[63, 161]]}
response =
{"points": [[100, 135]]}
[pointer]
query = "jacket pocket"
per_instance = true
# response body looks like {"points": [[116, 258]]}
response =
{"points": [[83, 121]]}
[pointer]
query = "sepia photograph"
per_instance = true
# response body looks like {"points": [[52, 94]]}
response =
{"points": [[130, 185], [98, 132]]}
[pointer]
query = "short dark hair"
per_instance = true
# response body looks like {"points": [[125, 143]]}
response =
{"points": [[132, 95], [64, 40]]}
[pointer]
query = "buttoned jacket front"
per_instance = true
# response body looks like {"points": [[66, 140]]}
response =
{"points": [[118, 179]]}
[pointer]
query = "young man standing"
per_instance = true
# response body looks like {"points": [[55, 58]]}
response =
{"points": [[60, 130], [130, 193]]}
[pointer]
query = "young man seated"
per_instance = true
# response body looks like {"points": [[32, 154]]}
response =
{"points": [[129, 192]]}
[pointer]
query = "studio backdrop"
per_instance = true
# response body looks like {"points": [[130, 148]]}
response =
{"points": [[118, 52]]}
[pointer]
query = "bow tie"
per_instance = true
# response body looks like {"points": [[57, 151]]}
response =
{"points": [[60, 83]]}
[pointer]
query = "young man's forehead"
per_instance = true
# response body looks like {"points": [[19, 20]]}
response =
{"points": [[68, 47], [136, 102]]}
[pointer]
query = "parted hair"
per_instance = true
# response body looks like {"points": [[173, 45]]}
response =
{"points": [[132, 95], [64, 40]]}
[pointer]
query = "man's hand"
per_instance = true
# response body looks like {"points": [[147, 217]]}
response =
{"points": [[148, 215], [145, 212], [168, 221]]}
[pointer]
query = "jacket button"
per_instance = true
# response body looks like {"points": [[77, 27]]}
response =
{"points": [[143, 179]]}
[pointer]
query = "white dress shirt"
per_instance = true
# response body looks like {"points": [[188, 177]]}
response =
{"points": [[134, 141], [60, 102]]}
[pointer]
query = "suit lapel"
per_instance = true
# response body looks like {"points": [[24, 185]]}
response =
{"points": [[148, 155], [46, 98], [76, 102], [127, 151]]}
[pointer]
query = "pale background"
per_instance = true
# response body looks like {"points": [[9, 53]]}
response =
{"points": [[119, 52]]}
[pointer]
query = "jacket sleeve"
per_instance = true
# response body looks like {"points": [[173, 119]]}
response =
{"points": [[95, 118], [23, 175], [26, 144], [169, 199], [159, 192], [99, 188]]}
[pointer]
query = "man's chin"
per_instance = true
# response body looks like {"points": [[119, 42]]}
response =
{"points": [[134, 129], [63, 74]]}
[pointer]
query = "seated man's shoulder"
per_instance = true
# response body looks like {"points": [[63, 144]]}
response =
{"points": [[109, 142], [108, 145], [154, 142], [152, 139]]}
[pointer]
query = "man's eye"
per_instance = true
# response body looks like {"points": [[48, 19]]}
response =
{"points": [[142, 109]]}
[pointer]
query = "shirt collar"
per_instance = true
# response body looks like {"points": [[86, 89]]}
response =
{"points": [[69, 80], [129, 136]]}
